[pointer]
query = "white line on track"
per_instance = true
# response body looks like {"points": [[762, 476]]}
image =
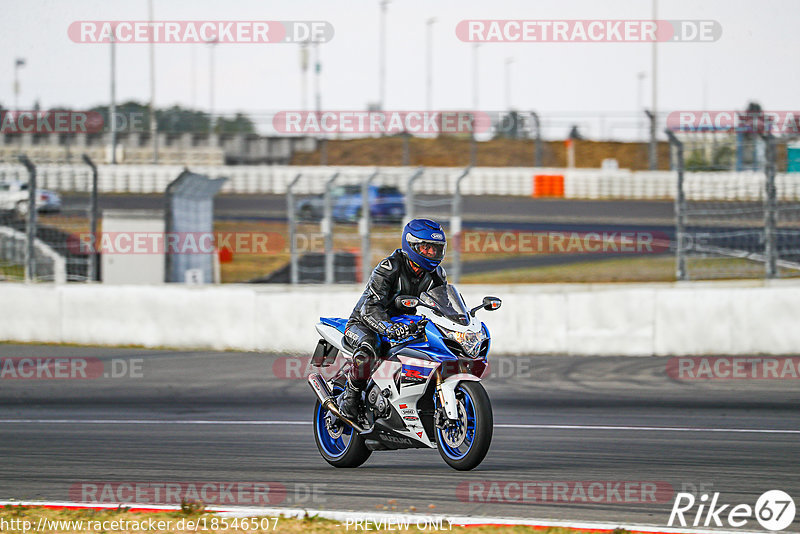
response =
{"points": [[149, 422], [499, 425]]}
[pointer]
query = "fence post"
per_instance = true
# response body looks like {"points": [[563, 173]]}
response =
{"points": [[537, 151], [680, 210], [30, 225], [294, 273], [93, 255], [364, 224], [770, 210], [410, 193], [455, 226], [653, 149], [327, 229]]}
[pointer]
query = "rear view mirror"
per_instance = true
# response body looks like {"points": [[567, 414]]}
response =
{"points": [[491, 303], [406, 301]]}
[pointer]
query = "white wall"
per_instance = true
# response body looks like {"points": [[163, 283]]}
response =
{"points": [[630, 319], [578, 183]]}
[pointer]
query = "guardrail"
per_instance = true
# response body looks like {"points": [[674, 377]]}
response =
{"points": [[689, 318], [516, 181], [47, 264]]}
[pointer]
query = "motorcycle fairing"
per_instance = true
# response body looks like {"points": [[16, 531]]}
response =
{"points": [[407, 376]]}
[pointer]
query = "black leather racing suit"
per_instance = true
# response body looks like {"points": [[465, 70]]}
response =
{"points": [[392, 277]]}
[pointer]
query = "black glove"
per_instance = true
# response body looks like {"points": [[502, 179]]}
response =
{"points": [[398, 331]]}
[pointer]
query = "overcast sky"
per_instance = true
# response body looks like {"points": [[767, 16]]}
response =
{"points": [[755, 59]]}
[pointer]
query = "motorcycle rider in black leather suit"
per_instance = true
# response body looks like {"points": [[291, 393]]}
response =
{"points": [[410, 270]]}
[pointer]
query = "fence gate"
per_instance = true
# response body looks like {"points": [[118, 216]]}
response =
{"points": [[734, 225], [52, 241]]}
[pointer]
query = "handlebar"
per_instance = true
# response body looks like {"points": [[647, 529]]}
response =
{"points": [[415, 328], [418, 326]]}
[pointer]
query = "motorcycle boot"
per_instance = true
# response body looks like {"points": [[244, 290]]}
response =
{"points": [[350, 400]]}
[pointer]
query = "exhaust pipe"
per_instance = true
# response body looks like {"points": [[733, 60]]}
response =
{"points": [[327, 400]]}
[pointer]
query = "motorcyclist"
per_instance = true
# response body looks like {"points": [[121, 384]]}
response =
{"points": [[409, 270]]}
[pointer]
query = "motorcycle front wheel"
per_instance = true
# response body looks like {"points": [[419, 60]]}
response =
{"points": [[340, 445], [464, 445]]}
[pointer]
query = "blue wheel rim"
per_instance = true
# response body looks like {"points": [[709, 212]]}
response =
{"points": [[457, 453], [333, 447]]}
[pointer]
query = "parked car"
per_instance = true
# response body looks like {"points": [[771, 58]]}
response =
{"points": [[14, 199], [386, 203]]}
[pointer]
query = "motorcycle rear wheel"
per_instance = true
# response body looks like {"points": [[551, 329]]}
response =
{"points": [[340, 449]]}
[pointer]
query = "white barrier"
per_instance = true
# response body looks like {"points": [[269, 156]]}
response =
{"points": [[515, 181], [614, 319]]}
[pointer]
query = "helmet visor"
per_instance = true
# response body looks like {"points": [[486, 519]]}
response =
{"points": [[432, 250]]}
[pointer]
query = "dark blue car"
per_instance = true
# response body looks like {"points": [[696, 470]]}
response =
{"points": [[386, 203]]}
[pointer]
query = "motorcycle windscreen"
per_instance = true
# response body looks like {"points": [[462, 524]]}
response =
{"points": [[447, 301]]}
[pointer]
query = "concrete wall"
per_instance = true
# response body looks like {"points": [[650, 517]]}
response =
{"points": [[630, 319]]}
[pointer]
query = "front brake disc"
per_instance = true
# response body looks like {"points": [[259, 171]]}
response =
{"points": [[454, 433]]}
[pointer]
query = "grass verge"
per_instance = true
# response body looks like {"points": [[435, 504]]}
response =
{"points": [[192, 518], [639, 269]]}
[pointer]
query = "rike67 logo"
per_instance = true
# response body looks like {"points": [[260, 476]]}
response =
{"points": [[774, 510]]}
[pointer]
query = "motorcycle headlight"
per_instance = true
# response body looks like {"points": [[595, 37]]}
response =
{"points": [[469, 341]]}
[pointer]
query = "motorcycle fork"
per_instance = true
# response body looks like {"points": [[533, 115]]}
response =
{"points": [[439, 417]]}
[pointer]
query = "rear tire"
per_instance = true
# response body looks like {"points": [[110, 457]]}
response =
{"points": [[474, 404], [335, 451], [306, 213]]}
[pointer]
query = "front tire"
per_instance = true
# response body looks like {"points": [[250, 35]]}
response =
{"points": [[340, 449], [465, 446]]}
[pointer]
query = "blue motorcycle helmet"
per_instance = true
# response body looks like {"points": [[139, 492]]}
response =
{"points": [[424, 243]]}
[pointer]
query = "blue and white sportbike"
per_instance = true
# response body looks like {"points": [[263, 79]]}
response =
{"points": [[425, 390]]}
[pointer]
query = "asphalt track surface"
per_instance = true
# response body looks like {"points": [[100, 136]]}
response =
{"points": [[483, 208], [209, 416]]}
